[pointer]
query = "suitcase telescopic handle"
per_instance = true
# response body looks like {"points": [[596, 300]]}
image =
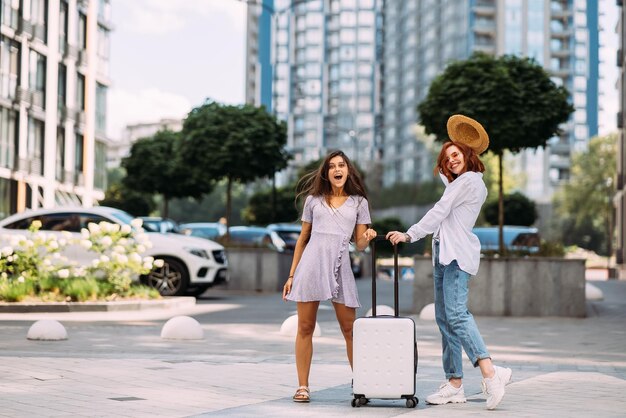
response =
{"points": [[395, 275]]}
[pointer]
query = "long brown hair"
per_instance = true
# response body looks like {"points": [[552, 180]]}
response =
{"points": [[472, 162], [316, 183]]}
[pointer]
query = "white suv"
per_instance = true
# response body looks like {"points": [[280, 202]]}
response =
{"points": [[191, 265]]}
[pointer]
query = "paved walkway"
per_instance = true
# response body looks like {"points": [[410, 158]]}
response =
{"points": [[116, 365]]}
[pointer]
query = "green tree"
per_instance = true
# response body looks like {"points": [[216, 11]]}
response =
{"points": [[518, 210], [586, 202], [260, 211], [119, 196], [153, 167], [235, 143], [512, 97]]}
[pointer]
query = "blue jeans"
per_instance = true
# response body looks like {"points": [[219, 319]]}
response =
{"points": [[456, 323]]}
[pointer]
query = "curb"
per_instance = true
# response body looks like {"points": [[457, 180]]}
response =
{"points": [[126, 305]]}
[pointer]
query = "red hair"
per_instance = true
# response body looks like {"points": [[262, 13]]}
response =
{"points": [[472, 162]]}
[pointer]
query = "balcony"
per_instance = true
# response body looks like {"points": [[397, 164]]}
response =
{"points": [[37, 98], [562, 52]]}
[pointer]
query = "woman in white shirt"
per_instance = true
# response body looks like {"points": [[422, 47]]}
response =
{"points": [[456, 256]]}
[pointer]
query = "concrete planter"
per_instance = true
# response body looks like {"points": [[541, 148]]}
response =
{"points": [[533, 286], [257, 269], [264, 270]]}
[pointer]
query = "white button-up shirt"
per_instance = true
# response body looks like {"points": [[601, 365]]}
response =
{"points": [[454, 216]]}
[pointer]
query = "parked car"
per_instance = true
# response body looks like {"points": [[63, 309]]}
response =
{"points": [[289, 233], [251, 236], [285, 235], [207, 230], [158, 224], [521, 239], [191, 265]]}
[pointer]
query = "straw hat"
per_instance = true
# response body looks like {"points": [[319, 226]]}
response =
{"points": [[469, 132]]}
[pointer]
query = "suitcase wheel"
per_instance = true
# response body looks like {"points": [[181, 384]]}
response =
{"points": [[411, 402], [357, 402]]}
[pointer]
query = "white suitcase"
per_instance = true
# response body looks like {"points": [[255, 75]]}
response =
{"points": [[384, 351]]}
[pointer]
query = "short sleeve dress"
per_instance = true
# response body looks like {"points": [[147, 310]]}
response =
{"points": [[324, 271]]}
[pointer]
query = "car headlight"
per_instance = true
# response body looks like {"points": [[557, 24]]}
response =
{"points": [[198, 252]]}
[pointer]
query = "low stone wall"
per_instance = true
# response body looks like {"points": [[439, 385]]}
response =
{"points": [[533, 286], [264, 270]]}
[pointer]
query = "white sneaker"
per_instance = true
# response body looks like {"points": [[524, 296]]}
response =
{"points": [[494, 387], [446, 394]]}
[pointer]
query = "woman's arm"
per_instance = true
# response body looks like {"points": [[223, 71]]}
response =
{"points": [[303, 240], [363, 236]]}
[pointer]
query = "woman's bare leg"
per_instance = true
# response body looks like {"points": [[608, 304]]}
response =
{"points": [[346, 317], [307, 316]]}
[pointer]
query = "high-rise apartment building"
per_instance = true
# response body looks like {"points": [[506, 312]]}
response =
{"points": [[322, 60], [422, 36], [620, 196], [54, 75]]}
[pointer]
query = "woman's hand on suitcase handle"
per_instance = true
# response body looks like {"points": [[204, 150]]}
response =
{"points": [[396, 237]]}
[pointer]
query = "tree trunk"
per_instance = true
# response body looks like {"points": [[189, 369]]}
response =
{"points": [[229, 184], [166, 206], [502, 250], [273, 197]]}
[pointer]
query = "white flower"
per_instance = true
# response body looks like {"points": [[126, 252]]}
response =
{"points": [[147, 265], [4, 275], [68, 235], [95, 262], [47, 262], [10, 258], [105, 226], [106, 241], [141, 248], [84, 233], [119, 249], [123, 241], [36, 224], [135, 258], [53, 245], [136, 223], [126, 229], [6, 251], [86, 243], [20, 279], [120, 257], [115, 227], [159, 263], [94, 228], [104, 259], [63, 273], [62, 242]]}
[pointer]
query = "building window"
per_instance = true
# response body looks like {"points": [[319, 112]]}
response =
{"points": [[39, 17], [8, 137], [62, 90], [100, 172], [9, 14], [101, 108], [63, 19], [80, 92], [37, 78], [35, 145], [103, 50], [9, 67], [78, 160], [60, 155], [82, 31]]}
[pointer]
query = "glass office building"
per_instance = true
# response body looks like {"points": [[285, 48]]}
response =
{"points": [[422, 36], [325, 69]]}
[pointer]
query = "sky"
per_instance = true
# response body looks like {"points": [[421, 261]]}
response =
{"points": [[168, 57]]}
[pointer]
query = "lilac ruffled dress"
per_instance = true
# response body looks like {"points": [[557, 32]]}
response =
{"points": [[324, 270]]}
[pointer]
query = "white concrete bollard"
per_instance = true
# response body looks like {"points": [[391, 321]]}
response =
{"points": [[289, 327], [47, 330], [182, 328], [592, 292], [381, 310], [428, 312]]}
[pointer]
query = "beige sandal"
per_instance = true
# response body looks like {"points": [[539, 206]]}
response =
{"points": [[302, 394]]}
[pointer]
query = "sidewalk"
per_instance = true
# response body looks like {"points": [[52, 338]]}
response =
{"points": [[116, 365]]}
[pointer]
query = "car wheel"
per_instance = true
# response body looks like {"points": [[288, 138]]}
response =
{"points": [[197, 290], [170, 280]]}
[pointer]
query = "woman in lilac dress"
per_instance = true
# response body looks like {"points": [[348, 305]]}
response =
{"points": [[335, 211]]}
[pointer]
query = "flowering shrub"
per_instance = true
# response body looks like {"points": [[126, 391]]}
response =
{"points": [[32, 264]]}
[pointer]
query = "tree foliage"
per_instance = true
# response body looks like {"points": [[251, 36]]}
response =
{"points": [[518, 210], [153, 167], [512, 97], [119, 196], [585, 203], [260, 211]]}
